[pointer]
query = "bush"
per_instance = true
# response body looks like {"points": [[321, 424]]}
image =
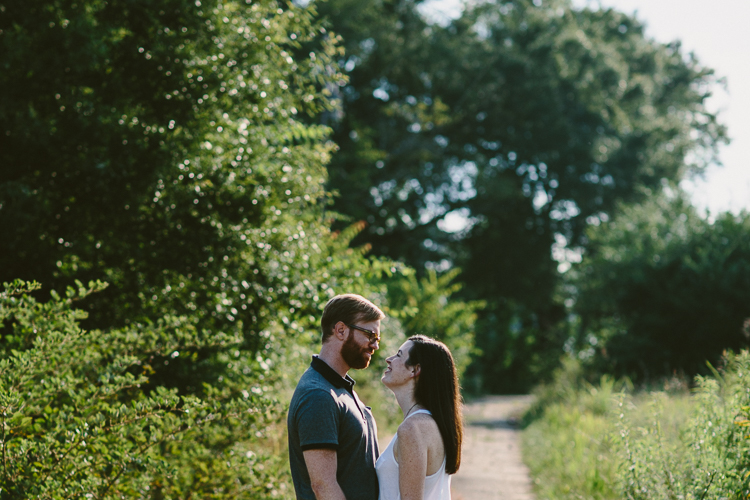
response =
{"points": [[80, 421], [85, 412]]}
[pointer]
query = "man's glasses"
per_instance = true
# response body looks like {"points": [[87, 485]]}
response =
{"points": [[372, 336]]}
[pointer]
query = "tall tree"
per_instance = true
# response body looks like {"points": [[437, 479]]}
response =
{"points": [[170, 148], [663, 290], [165, 147], [521, 121]]}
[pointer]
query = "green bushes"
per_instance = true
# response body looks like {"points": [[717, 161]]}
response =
{"points": [[605, 442], [664, 290], [78, 420], [87, 413]]}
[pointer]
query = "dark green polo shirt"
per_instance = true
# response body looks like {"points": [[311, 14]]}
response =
{"points": [[325, 412]]}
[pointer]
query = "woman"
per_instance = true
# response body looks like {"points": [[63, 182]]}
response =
{"points": [[418, 462]]}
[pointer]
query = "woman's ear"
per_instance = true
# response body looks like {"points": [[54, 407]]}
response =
{"points": [[415, 371]]}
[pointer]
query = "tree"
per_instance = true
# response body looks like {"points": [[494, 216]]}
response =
{"points": [[165, 147], [523, 121], [171, 149], [159, 130], [663, 290]]}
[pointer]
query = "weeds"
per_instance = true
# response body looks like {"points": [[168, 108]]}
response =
{"points": [[710, 455], [605, 441]]}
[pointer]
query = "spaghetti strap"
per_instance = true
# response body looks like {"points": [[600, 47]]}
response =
{"points": [[418, 411]]}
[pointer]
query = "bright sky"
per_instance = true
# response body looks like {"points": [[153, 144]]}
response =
{"points": [[717, 32]]}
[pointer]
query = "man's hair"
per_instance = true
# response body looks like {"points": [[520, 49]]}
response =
{"points": [[437, 390], [349, 308]]}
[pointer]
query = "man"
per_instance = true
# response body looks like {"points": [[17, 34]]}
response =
{"points": [[333, 442]]}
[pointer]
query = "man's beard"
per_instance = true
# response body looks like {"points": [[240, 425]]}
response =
{"points": [[353, 353]]}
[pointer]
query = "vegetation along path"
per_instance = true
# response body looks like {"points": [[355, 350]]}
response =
{"points": [[491, 465]]}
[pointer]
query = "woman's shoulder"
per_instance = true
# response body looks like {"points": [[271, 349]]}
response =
{"points": [[419, 435], [418, 426]]}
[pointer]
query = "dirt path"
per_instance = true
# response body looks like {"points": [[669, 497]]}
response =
{"points": [[491, 466]]}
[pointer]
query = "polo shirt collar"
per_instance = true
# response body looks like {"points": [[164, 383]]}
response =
{"points": [[331, 375]]}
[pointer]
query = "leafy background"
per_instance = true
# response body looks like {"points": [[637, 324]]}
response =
{"points": [[185, 183]]}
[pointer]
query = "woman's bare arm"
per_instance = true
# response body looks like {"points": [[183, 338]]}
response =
{"points": [[412, 459]]}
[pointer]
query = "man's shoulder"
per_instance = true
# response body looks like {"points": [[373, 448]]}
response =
{"points": [[311, 379], [312, 383]]}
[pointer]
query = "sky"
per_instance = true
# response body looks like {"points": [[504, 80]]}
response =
{"points": [[717, 32]]}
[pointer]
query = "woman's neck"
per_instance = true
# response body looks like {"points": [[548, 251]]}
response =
{"points": [[406, 400]]}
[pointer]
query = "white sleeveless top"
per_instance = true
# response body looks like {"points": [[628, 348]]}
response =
{"points": [[436, 487]]}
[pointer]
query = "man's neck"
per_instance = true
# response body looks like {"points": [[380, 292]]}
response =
{"points": [[333, 359]]}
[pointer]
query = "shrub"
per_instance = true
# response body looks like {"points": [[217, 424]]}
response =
{"points": [[79, 421]]}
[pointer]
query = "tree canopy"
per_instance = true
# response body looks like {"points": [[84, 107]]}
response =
{"points": [[481, 143], [164, 148], [663, 290]]}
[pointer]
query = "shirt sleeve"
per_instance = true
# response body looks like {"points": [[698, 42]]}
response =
{"points": [[318, 421]]}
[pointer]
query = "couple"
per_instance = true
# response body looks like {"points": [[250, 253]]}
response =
{"points": [[333, 447]]}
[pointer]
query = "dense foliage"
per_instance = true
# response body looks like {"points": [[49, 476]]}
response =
{"points": [[164, 148], [482, 143], [170, 149], [662, 289], [76, 422]]}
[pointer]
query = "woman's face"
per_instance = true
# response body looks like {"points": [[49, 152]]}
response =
{"points": [[397, 373]]}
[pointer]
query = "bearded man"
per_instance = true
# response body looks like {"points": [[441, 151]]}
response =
{"points": [[333, 442]]}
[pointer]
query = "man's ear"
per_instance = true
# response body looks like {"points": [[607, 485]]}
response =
{"points": [[339, 330]]}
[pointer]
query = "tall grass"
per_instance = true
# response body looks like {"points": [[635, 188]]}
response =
{"points": [[606, 441], [567, 440], [709, 457]]}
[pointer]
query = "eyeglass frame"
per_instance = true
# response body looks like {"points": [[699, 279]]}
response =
{"points": [[371, 335]]}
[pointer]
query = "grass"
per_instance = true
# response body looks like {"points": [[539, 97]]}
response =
{"points": [[605, 441], [567, 441]]}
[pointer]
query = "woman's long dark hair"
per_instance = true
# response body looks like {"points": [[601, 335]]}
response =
{"points": [[437, 390]]}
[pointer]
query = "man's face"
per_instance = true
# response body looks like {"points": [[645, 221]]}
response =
{"points": [[358, 349]]}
